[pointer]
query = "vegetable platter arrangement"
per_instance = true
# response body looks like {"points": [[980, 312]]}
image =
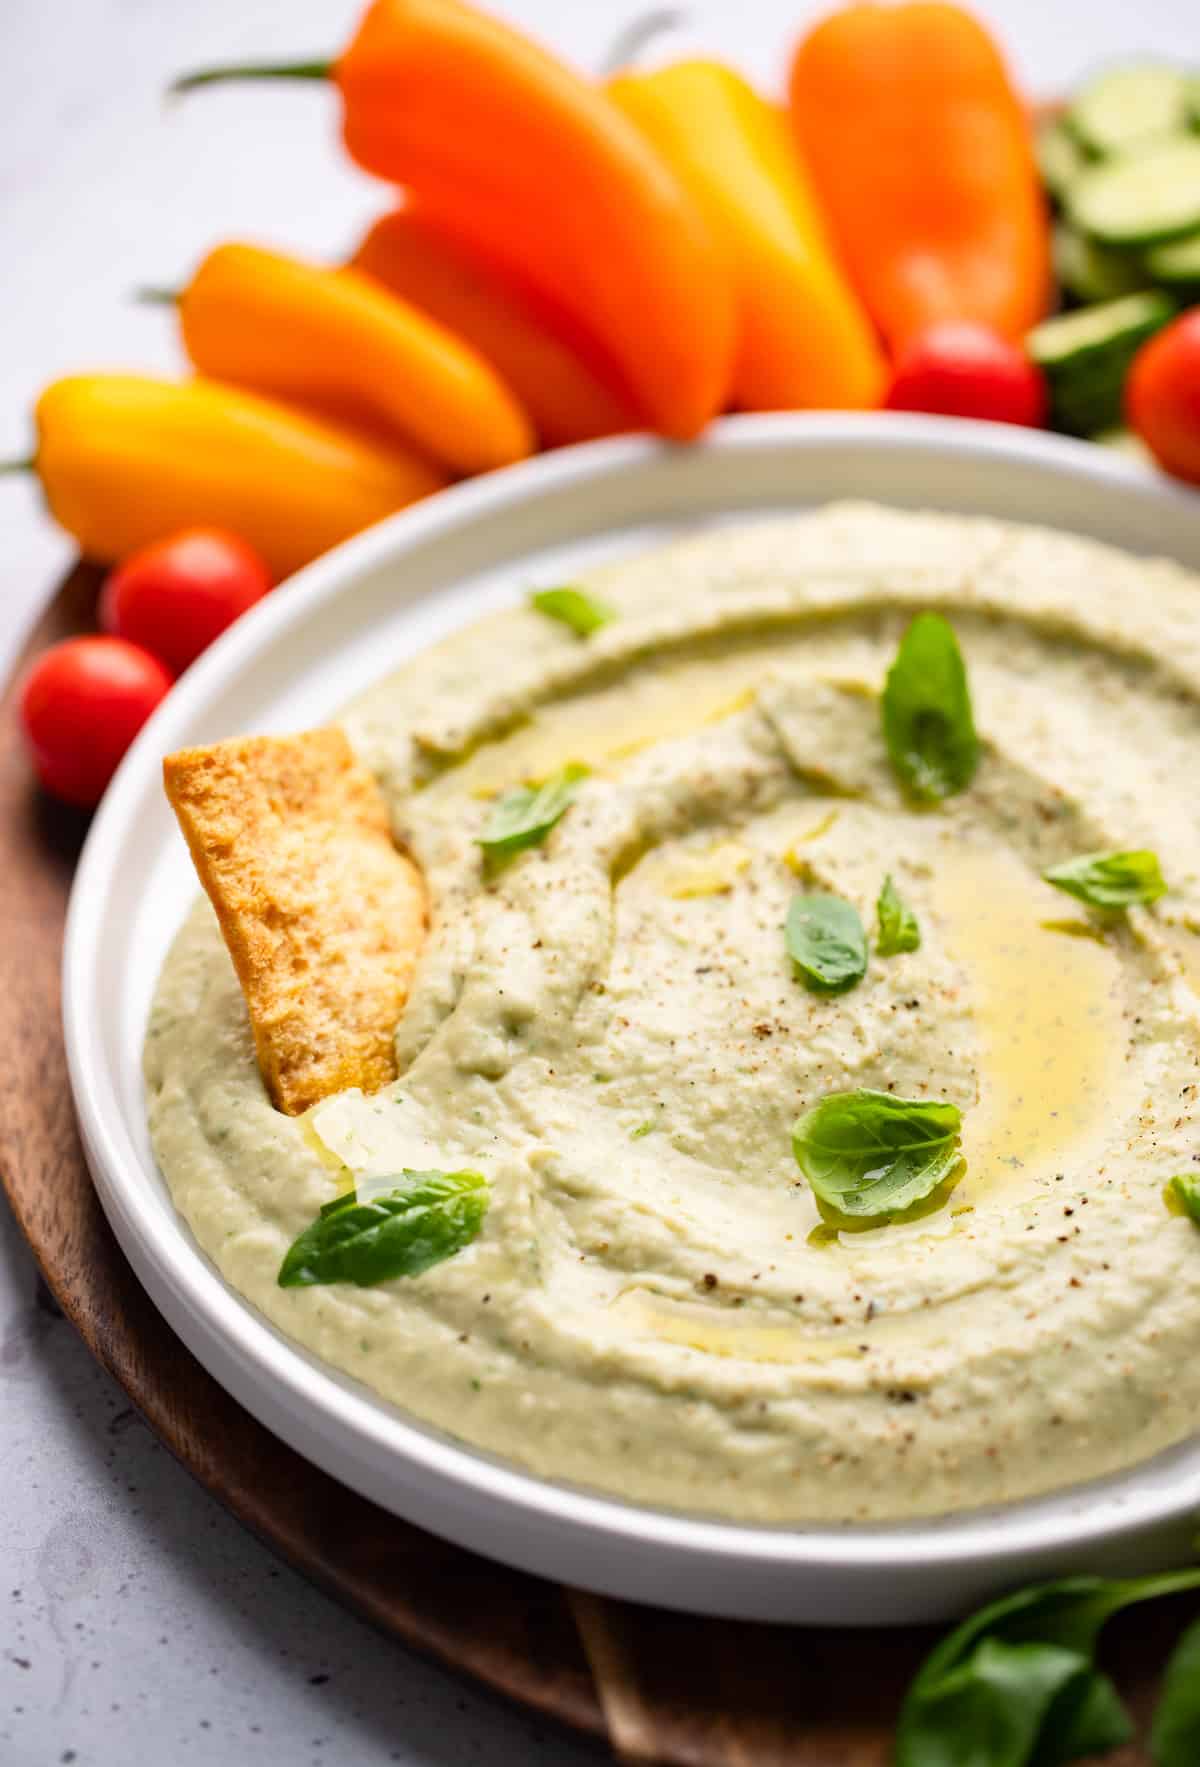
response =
{"points": [[643, 250], [646, 250]]}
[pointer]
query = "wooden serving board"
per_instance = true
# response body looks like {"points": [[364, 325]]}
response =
{"points": [[658, 1686]]}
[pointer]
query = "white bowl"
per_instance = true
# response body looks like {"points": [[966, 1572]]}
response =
{"points": [[293, 661]]}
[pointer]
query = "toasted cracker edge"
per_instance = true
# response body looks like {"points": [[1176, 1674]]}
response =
{"points": [[323, 916]]}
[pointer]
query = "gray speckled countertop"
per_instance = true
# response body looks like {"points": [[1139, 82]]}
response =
{"points": [[137, 1619], [140, 1620]]}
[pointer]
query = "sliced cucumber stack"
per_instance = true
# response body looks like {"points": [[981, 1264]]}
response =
{"points": [[1091, 272], [1142, 198], [1176, 264], [1126, 107], [1122, 165], [1059, 156], [1085, 357]]}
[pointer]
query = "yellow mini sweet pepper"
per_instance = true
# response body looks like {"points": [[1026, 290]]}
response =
{"points": [[337, 342], [126, 460], [804, 339]]}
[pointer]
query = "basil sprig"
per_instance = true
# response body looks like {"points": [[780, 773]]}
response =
{"points": [[928, 724], [826, 942], [1017, 1683], [525, 815], [427, 1218], [1175, 1733], [574, 608], [1110, 880], [870, 1155], [899, 929]]}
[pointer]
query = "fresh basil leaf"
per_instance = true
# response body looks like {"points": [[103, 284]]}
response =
{"points": [[581, 612], [870, 1154], [427, 1217], [1083, 1717], [898, 926], [1183, 1197], [928, 724], [1175, 1733], [827, 942], [1086, 1718], [525, 815], [989, 1711], [1110, 880], [1070, 1611]]}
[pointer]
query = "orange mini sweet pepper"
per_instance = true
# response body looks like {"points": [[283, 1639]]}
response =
{"points": [[539, 353], [335, 341], [804, 338], [921, 153], [523, 158], [126, 460]]}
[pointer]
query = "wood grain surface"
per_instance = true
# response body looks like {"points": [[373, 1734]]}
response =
{"points": [[660, 1687]]}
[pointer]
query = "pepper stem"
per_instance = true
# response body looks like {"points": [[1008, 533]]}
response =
{"points": [[28, 464], [288, 70], [158, 297], [637, 35]]}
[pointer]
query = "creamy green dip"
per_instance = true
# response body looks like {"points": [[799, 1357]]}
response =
{"points": [[610, 1030]]}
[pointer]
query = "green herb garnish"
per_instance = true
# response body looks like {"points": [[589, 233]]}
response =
{"points": [[1175, 1733], [643, 1129], [927, 721], [827, 942], [525, 815], [898, 927], [871, 1155], [1183, 1195], [1110, 880], [1017, 1683], [427, 1217], [573, 608]]}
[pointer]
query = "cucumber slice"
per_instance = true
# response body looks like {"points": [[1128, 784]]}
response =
{"points": [[1125, 442], [1084, 336], [1177, 263], [1143, 198], [1059, 156], [1085, 357], [1089, 410], [1092, 272], [1123, 106]]}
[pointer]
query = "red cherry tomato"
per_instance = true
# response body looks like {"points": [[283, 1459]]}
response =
{"points": [[1162, 396], [176, 596], [82, 703], [962, 369]]}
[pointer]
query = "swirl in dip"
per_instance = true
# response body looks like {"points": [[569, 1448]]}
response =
{"points": [[610, 1029]]}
